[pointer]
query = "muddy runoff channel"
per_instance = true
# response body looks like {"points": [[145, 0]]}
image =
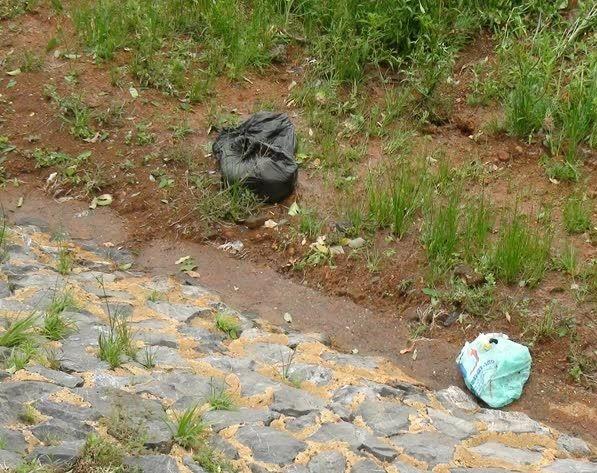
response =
{"points": [[260, 290]]}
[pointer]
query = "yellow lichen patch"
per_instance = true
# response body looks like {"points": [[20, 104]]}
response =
{"points": [[68, 397], [205, 369]]}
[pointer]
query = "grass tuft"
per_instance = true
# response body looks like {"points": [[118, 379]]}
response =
{"points": [[188, 429]]}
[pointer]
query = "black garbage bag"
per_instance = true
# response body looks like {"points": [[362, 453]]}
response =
{"points": [[259, 154]]}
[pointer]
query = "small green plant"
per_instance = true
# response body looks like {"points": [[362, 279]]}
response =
{"points": [[180, 130], [286, 370], [310, 224], [31, 62], [148, 358], [56, 326], [18, 332], [188, 429], [219, 398], [74, 112], [65, 260], [29, 415], [521, 253], [20, 356], [155, 296], [228, 324], [549, 325], [577, 215], [568, 261], [141, 136], [373, 259], [131, 433], [230, 203], [101, 455], [440, 235], [212, 461], [582, 368]]}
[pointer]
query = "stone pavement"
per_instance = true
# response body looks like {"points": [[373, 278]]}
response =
{"points": [[299, 406]]}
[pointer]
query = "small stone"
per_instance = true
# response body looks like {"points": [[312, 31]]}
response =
{"points": [[368, 466], [295, 402], [270, 445], [431, 447], [500, 452], [255, 221], [356, 361], [455, 398], [297, 424], [57, 377], [356, 243], [571, 466], [451, 425], [294, 339], [179, 312], [316, 374], [58, 429], [385, 418], [230, 364], [269, 353], [219, 420], [158, 339], [12, 440], [225, 447], [9, 461], [254, 383], [506, 421], [63, 455], [573, 445], [153, 464], [327, 462]]}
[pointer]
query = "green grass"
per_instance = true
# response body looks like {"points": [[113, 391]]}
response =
{"points": [[130, 433], [29, 415], [101, 455], [440, 234], [220, 399], [310, 223], [55, 325], [18, 331], [118, 343], [212, 461], [20, 356], [228, 324], [148, 358], [521, 252], [74, 112], [188, 429], [577, 214], [568, 261]]}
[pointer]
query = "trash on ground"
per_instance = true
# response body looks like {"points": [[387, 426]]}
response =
{"points": [[495, 368], [259, 154], [287, 318], [270, 224], [356, 243], [232, 246]]}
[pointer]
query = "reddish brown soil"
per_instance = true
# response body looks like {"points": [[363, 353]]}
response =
{"points": [[168, 214]]}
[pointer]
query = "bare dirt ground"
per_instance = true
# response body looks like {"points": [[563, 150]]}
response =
{"points": [[357, 308]]}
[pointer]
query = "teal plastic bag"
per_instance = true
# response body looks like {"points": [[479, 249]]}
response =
{"points": [[495, 368]]}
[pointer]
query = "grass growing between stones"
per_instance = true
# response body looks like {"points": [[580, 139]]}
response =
{"points": [[131, 434], [101, 456], [228, 324], [118, 344], [55, 325], [188, 429], [220, 399], [29, 415], [212, 461], [18, 332]]}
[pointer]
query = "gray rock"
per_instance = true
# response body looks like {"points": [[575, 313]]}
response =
{"points": [[403, 467], [356, 361], [499, 451], [5, 289], [158, 435], [194, 291], [74, 413], [296, 424], [57, 377], [75, 359], [253, 383], [153, 464], [295, 402], [342, 411], [450, 425], [431, 447], [12, 440], [149, 324], [26, 391], [121, 310], [105, 293], [479, 470], [230, 364], [327, 462], [176, 385], [455, 398], [368, 466], [219, 420], [270, 445], [316, 374], [158, 339], [63, 455], [385, 418], [192, 465], [94, 276], [570, 466], [57, 429], [346, 395], [225, 447], [269, 353], [295, 339], [9, 461], [295, 468], [179, 312], [505, 421], [573, 445], [50, 281], [358, 439]]}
